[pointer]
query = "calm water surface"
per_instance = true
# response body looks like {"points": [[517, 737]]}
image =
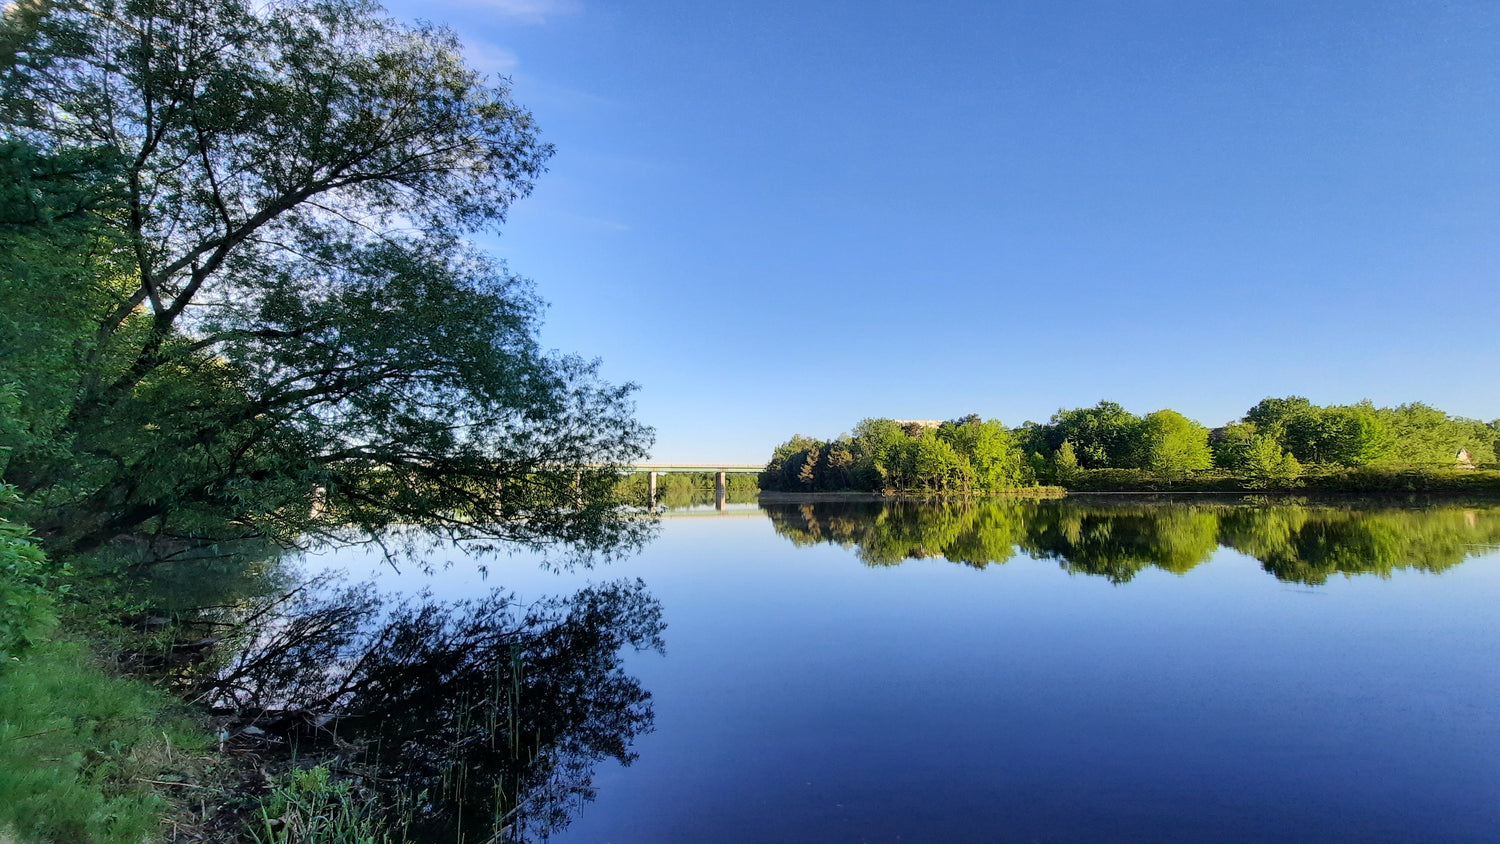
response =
{"points": [[1037, 672]]}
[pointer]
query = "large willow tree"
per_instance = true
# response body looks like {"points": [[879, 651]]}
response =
{"points": [[238, 287]]}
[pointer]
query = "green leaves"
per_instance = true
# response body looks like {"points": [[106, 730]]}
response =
{"points": [[1105, 435], [966, 456], [1267, 464], [275, 326], [1174, 445], [26, 587]]}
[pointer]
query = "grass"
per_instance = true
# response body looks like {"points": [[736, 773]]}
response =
{"points": [[86, 756], [308, 806]]}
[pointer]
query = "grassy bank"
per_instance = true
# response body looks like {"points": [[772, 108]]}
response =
{"points": [[86, 756]]}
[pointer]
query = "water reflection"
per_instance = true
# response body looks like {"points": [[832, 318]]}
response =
{"points": [[1296, 543], [487, 719], [680, 499], [476, 720]]}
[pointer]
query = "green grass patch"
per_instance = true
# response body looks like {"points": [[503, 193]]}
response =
{"points": [[86, 756], [309, 806]]}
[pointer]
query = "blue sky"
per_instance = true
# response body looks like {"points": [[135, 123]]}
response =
{"points": [[781, 218]]}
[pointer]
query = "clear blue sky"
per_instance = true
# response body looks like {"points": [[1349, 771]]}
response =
{"points": [[780, 218]]}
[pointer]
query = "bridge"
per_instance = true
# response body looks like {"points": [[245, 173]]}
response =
{"points": [[720, 471]]}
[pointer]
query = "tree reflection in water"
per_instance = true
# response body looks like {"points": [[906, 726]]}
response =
{"points": [[1295, 542], [481, 720]]}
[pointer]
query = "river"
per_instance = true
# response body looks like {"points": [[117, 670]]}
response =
{"points": [[1106, 670]]}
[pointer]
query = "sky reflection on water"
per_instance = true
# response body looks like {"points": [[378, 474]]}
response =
{"points": [[806, 695]]}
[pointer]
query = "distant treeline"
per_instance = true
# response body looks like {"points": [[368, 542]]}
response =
{"points": [[1280, 442]]}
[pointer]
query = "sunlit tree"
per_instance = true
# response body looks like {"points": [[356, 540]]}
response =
{"points": [[277, 319], [1173, 445]]}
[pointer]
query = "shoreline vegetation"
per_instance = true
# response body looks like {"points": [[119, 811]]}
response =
{"points": [[1287, 445], [243, 300], [1330, 497], [1479, 483]]}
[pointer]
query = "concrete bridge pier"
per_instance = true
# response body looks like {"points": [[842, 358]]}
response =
{"points": [[720, 471]]}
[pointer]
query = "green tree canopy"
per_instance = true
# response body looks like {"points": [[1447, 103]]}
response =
{"points": [[1351, 435], [988, 448], [1343, 435], [1270, 415], [1064, 463], [1267, 464], [1425, 436], [937, 465], [1103, 436], [278, 308], [1172, 444], [792, 465]]}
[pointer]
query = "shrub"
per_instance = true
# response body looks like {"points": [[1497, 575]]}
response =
{"points": [[26, 604]]}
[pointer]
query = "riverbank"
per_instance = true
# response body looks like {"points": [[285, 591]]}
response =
{"points": [[1365, 481], [96, 742], [87, 755]]}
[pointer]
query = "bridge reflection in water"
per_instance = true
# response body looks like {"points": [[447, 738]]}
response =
{"points": [[721, 472]]}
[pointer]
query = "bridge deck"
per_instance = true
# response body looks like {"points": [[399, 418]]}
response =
{"points": [[681, 468]]}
